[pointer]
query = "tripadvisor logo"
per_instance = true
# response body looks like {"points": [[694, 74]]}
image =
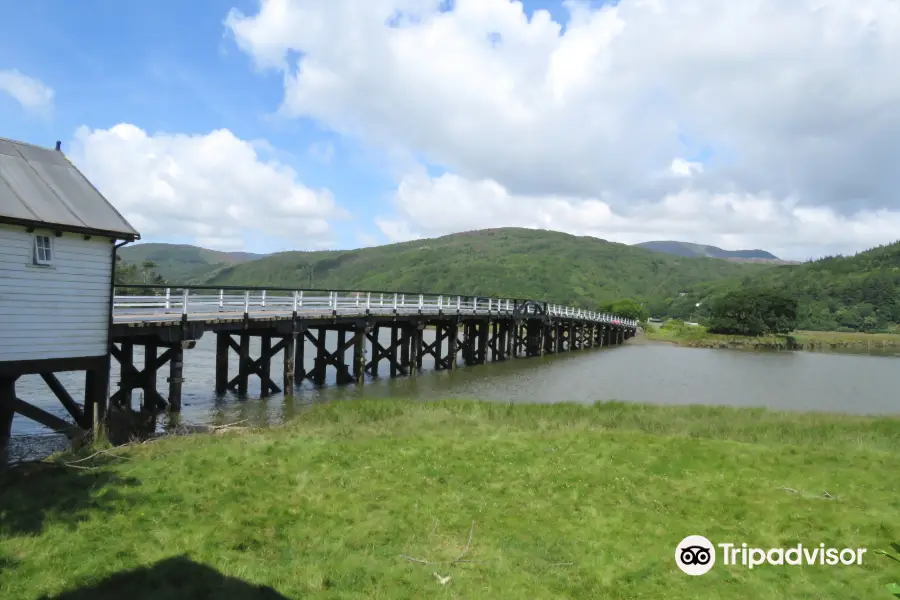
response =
{"points": [[696, 555]]}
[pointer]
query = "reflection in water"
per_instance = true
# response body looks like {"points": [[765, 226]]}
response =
{"points": [[636, 372]]}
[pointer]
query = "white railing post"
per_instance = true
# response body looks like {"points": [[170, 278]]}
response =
{"points": [[263, 302], [246, 302], [221, 299], [168, 298], [357, 299], [295, 301], [475, 304], [332, 301], [184, 301], [458, 304], [381, 302], [395, 302], [300, 300], [421, 301], [440, 303], [368, 301]]}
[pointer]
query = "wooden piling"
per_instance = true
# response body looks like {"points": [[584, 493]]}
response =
{"points": [[287, 381], [359, 355], [393, 351], [150, 391], [319, 369], [176, 371], [222, 350], [265, 363], [243, 366], [300, 357], [452, 344], [7, 408], [127, 361], [376, 358]]}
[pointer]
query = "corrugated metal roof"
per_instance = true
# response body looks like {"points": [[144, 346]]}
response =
{"points": [[40, 186]]}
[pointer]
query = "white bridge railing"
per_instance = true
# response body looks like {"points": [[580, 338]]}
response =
{"points": [[162, 304]]}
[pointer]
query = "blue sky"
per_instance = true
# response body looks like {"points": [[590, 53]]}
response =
{"points": [[673, 119], [170, 66]]}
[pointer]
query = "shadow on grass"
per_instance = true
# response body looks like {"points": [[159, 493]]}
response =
{"points": [[32, 494], [177, 578]]}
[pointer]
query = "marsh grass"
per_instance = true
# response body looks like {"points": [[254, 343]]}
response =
{"points": [[699, 337], [568, 501]]}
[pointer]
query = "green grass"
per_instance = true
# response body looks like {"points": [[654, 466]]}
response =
{"points": [[699, 337], [567, 501]]}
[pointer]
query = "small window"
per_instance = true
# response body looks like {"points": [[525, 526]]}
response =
{"points": [[43, 250]]}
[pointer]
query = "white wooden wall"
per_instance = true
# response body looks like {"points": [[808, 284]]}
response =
{"points": [[60, 311]]}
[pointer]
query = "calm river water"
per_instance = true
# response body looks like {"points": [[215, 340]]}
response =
{"points": [[635, 372]]}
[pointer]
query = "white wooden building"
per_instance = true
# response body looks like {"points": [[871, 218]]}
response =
{"points": [[58, 239]]}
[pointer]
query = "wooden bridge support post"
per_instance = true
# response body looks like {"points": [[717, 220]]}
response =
{"points": [[150, 353], [452, 344], [7, 409], [96, 399], [300, 357], [419, 344], [493, 337], [290, 354], [127, 351], [393, 350], [319, 367], [468, 358], [359, 354], [176, 370], [549, 338], [558, 337], [376, 358], [265, 362], [405, 343], [514, 339], [483, 337], [244, 358], [340, 362], [222, 361]]}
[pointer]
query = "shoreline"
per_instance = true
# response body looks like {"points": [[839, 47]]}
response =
{"points": [[799, 341]]}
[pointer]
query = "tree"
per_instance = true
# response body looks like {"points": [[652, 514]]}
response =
{"points": [[627, 308], [753, 312]]}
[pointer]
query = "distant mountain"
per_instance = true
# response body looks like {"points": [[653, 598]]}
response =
{"points": [[523, 263], [689, 250], [182, 263]]}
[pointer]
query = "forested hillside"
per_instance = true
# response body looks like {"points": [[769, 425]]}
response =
{"points": [[860, 293], [505, 262], [182, 262]]}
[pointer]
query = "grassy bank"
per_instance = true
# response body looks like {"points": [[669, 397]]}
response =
{"points": [[541, 501], [698, 337]]}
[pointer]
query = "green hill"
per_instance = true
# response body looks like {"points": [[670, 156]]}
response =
{"points": [[183, 263], [509, 262], [689, 250], [855, 293]]}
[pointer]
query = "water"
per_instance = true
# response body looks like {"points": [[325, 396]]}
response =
{"points": [[636, 372]]}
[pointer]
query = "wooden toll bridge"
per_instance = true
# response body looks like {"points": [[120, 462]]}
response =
{"points": [[168, 321], [60, 312]]}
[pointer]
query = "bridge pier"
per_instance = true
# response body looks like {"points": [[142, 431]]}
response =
{"points": [[131, 378]]}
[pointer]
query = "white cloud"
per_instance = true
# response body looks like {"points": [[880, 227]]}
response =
{"points": [[31, 93], [429, 207], [784, 100], [213, 188]]}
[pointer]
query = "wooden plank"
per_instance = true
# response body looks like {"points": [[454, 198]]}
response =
{"points": [[65, 398], [44, 418]]}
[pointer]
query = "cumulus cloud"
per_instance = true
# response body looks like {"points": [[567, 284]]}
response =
{"points": [[31, 93], [792, 102], [428, 206], [214, 189]]}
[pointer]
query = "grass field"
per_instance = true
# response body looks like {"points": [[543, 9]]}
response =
{"points": [[698, 337], [509, 501]]}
